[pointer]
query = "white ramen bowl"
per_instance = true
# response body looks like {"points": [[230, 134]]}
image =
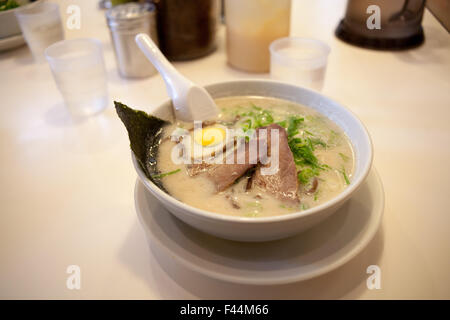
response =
{"points": [[281, 226]]}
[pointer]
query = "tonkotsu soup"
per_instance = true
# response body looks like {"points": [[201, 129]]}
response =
{"points": [[312, 157]]}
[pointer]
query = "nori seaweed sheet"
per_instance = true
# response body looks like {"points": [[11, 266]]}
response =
{"points": [[145, 132]]}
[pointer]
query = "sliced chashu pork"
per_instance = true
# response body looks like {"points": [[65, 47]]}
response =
{"points": [[225, 174], [282, 184]]}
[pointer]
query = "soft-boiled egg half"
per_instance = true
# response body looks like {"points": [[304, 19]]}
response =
{"points": [[210, 141]]}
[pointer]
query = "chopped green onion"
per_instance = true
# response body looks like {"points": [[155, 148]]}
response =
{"points": [[251, 214], [303, 152], [344, 157], [282, 123], [254, 204], [293, 124], [347, 181], [305, 175], [162, 175]]}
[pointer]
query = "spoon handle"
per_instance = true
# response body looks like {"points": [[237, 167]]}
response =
{"points": [[176, 83]]}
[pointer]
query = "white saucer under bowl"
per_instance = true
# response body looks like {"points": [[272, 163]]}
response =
{"points": [[310, 254], [12, 42]]}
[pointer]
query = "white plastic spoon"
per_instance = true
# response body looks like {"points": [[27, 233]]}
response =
{"points": [[191, 101]]}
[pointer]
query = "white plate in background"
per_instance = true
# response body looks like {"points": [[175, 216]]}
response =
{"points": [[12, 42]]}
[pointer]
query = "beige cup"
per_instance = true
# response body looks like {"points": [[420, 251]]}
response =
{"points": [[251, 26]]}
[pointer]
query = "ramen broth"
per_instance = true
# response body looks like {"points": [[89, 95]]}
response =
{"points": [[329, 175]]}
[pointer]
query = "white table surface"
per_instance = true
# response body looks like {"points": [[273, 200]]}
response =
{"points": [[66, 189]]}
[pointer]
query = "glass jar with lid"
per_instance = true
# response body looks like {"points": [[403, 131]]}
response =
{"points": [[187, 29]]}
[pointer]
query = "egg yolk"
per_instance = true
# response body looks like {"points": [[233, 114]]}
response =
{"points": [[210, 136]]}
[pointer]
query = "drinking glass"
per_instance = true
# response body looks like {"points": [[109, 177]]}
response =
{"points": [[79, 71], [300, 61], [41, 26]]}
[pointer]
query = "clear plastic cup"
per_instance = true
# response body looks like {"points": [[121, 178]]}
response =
{"points": [[79, 71], [299, 61], [41, 26]]}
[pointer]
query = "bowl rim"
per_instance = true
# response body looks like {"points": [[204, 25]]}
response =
{"points": [[340, 198]]}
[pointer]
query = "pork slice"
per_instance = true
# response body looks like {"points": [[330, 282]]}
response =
{"points": [[197, 168], [225, 174], [284, 183]]}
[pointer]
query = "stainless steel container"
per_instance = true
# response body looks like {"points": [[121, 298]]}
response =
{"points": [[125, 22]]}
